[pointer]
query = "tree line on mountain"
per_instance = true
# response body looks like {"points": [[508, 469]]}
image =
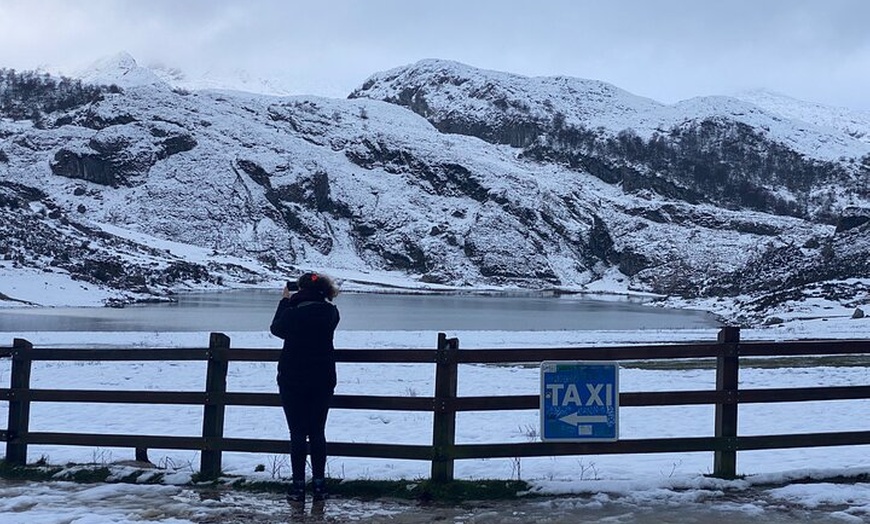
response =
{"points": [[30, 95], [712, 160]]}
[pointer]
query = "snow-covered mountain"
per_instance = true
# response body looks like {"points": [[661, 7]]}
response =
{"points": [[453, 94], [446, 173], [123, 71], [849, 121]]}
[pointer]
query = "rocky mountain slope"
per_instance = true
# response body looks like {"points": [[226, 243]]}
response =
{"points": [[446, 173]]}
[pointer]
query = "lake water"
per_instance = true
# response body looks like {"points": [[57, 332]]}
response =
{"points": [[252, 310]]}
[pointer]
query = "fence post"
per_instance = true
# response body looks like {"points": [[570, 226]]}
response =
{"points": [[19, 403], [444, 424], [727, 371], [215, 406]]}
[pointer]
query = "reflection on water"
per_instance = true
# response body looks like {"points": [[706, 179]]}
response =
{"points": [[252, 310]]}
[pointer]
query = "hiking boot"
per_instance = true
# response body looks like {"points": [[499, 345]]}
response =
{"points": [[318, 488], [296, 493]]}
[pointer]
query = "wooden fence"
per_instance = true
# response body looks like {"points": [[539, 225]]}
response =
{"points": [[727, 353]]}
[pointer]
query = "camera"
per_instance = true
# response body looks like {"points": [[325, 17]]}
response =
{"points": [[292, 285]]}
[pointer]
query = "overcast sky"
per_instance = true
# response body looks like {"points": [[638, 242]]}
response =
{"points": [[664, 49]]}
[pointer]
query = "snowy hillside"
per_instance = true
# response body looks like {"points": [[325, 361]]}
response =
{"points": [[482, 182], [443, 90], [715, 149], [851, 122]]}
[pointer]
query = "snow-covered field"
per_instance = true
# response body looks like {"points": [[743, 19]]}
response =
{"points": [[658, 476]]}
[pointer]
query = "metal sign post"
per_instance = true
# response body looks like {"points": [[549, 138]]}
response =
{"points": [[580, 401]]}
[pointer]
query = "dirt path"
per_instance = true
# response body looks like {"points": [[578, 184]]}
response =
{"points": [[748, 509], [24, 502]]}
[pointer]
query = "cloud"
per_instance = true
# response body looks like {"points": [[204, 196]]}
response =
{"points": [[668, 49]]}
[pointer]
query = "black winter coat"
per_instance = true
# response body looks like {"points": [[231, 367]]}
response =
{"points": [[307, 323]]}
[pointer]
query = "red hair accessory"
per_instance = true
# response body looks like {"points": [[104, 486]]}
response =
{"points": [[314, 277]]}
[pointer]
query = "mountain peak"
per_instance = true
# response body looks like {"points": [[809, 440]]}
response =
{"points": [[122, 70]]}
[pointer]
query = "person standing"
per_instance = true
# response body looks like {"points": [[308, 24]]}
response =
{"points": [[306, 320]]}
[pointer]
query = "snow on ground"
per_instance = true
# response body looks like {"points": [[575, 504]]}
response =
{"points": [[415, 427], [24, 286], [655, 478], [735, 503]]}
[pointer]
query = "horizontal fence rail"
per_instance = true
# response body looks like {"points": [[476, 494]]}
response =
{"points": [[725, 355]]}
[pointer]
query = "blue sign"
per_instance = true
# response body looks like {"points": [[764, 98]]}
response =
{"points": [[580, 401]]}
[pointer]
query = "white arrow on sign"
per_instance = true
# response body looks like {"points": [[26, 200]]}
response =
{"points": [[575, 419]]}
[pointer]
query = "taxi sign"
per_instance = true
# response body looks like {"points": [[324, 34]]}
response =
{"points": [[580, 401]]}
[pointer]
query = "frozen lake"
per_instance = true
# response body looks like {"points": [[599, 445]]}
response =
{"points": [[252, 310]]}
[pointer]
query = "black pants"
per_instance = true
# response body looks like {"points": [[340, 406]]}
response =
{"points": [[306, 413]]}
